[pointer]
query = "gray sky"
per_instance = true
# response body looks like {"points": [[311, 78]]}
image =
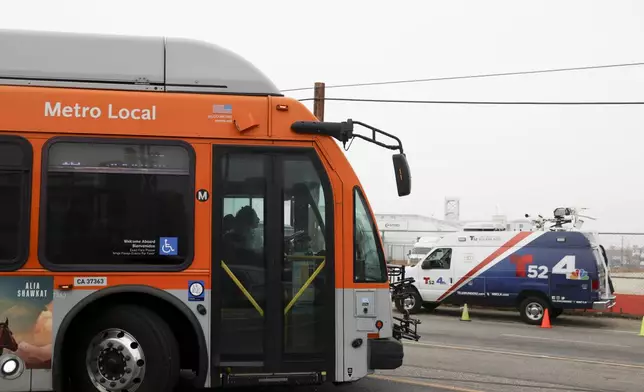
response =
{"points": [[523, 159]]}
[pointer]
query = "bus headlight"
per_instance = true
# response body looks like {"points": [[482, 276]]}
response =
{"points": [[11, 366]]}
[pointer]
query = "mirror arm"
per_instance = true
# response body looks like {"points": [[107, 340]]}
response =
{"points": [[343, 132], [381, 144], [374, 131]]}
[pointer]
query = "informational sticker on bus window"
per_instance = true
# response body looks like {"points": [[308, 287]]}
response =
{"points": [[137, 247], [90, 281]]}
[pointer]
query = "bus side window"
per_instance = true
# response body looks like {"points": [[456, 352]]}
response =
{"points": [[15, 194], [117, 202], [369, 261]]}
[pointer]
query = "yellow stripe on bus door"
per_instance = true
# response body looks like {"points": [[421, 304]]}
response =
{"points": [[304, 287], [242, 288]]}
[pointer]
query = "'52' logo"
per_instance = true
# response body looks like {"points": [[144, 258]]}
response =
{"points": [[523, 268]]}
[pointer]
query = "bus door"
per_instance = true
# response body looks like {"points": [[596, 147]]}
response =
{"points": [[273, 291]]}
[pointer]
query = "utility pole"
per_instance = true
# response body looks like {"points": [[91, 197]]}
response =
{"points": [[318, 100]]}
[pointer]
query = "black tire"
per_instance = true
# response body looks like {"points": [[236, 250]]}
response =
{"points": [[431, 305], [153, 334], [532, 303], [417, 302]]}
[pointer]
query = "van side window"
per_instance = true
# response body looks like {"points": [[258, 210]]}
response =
{"points": [[15, 194], [440, 258], [117, 202], [369, 259]]}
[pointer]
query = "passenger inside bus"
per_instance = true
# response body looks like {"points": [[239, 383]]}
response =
{"points": [[243, 232], [229, 223]]}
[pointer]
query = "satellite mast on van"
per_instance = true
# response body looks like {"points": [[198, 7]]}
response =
{"points": [[562, 216]]}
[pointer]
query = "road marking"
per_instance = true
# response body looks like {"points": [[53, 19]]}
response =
{"points": [[562, 340], [529, 355], [619, 331], [423, 383]]}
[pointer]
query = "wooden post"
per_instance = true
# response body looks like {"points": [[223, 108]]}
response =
{"points": [[318, 100]]}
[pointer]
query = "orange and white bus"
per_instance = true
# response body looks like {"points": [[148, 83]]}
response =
{"points": [[168, 218]]}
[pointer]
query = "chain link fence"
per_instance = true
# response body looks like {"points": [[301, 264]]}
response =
{"points": [[625, 253]]}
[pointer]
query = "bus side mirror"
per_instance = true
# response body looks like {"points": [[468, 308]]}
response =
{"points": [[426, 264], [403, 176]]}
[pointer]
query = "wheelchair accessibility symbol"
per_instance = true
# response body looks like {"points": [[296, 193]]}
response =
{"points": [[168, 246]]}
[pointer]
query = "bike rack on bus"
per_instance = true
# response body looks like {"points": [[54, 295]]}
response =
{"points": [[400, 287]]}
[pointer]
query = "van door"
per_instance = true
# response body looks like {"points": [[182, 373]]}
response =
{"points": [[436, 274]]}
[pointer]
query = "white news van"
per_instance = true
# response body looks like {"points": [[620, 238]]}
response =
{"points": [[527, 270]]}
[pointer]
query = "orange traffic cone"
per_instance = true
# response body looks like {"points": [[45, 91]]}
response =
{"points": [[545, 322]]}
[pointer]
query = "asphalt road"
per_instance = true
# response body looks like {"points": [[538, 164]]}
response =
{"points": [[496, 352]]}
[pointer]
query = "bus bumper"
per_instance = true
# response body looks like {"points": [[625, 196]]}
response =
{"points": [[604, 303], [385, 353]]}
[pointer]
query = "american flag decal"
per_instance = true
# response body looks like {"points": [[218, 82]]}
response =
{"points": [[222, 109]]}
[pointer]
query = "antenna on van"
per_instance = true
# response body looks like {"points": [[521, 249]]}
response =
{"points": [[562, 216]]}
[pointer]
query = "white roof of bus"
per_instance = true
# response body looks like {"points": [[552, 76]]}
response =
{"points": [[146, 63]]}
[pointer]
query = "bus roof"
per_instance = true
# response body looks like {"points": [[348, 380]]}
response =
{"points": [[38, 58]]}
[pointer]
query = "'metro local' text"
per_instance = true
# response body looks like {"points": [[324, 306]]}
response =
{"points": [[113, 113]]}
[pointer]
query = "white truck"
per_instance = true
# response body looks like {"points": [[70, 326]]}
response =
{"points": [[552, 268]]}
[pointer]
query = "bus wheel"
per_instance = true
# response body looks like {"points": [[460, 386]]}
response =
{"points": [[126, 348], [412, 302], [532, 310]]}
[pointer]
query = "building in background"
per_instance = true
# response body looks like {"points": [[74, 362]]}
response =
{"points": [[399, 232]]}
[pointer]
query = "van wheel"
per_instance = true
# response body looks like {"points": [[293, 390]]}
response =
{"points": [[532, 310], [125, 347], [412, 303]]}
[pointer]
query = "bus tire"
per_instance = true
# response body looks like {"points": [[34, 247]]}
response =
{"points": [[134, 346], [415, 299], [533, 308]]}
